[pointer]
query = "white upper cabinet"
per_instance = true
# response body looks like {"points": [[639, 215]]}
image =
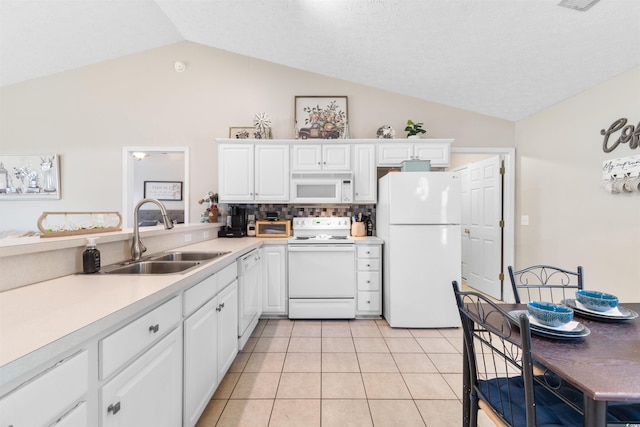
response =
{"points": [[434, 150], [364, 173], [253, 172], [321, 157]]}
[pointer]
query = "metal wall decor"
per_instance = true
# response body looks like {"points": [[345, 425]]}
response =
{"points": [[29, 177], [628, 134]]}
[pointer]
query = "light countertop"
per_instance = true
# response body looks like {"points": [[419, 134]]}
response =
{"points": [[41, 320]]}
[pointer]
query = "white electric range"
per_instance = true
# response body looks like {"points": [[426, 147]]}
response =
{"points": [[322, 283]]}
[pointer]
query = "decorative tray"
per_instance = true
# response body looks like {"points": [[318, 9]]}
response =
{"points": [[58, 224]]}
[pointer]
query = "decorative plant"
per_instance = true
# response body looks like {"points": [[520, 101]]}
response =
{"points": [[414, 128]]}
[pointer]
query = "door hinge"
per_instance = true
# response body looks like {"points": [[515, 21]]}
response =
{"points": [[501, 276], [501, 223]]}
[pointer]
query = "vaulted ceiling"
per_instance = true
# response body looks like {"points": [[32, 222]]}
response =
{"points": [[503, 58]]}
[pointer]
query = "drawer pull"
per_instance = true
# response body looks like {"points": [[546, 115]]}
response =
{"points": [[114, 408], [368, 281], [154, 328]]}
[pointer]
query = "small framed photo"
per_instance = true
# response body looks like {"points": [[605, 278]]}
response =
{"points": [[29, 177], [245, 132], [163, 190], [322, 117]]}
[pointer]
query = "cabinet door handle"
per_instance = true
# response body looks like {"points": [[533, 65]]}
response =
{"points": [[368, 281], [154, 328], [222, 305], [114, 408], [218, 308]]}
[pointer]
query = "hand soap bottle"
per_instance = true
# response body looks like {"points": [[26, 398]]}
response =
{"points": [[91, 257]]}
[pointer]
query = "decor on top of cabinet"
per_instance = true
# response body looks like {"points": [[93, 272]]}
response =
{"points": [[414, 129], [25, 177], [58, 224], [243, 132], [321, 117], [386, 132], [262, 123]]}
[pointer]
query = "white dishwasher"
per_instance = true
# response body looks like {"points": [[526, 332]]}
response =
{"points": [[249, 295]]}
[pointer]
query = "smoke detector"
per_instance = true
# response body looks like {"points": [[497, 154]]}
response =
{"points": [[578, 4]]}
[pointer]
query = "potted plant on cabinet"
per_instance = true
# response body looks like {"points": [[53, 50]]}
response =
{"points": [[414, 129]]}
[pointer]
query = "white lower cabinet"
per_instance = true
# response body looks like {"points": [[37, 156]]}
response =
{"points": [[148, 392], [200, 360], [50, 396], [274, 293], [210, 339], [368, 280], [227, 328]]}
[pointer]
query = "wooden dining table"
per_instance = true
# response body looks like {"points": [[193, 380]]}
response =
{"points": [[604, 366]]}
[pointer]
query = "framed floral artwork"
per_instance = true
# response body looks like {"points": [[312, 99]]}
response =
{"points": [[321, 117], [28, 177]]}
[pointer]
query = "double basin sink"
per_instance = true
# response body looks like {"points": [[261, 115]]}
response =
{"points": [[168, 263]]}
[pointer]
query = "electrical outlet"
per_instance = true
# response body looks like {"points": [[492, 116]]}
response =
{"points": [[187, 237], [207, 234], [524, 219]]}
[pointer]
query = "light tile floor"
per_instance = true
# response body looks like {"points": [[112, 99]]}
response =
{"points": [[307, 373]]}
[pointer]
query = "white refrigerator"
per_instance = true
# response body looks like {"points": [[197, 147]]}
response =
{"points": [[418, 217]]}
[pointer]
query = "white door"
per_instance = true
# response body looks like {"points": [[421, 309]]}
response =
{"points": [[307, 157], [227, 327], [482, 229]]}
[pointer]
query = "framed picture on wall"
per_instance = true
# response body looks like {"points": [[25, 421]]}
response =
{"points": [[320, 117], [29, 177], [163, 190], [244, 132]]}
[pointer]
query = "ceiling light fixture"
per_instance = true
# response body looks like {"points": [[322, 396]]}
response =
{"points": [[139, 155], [581, 5]]}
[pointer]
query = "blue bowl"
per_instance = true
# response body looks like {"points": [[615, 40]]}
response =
{"points": [[550, 314], [596, 301]]}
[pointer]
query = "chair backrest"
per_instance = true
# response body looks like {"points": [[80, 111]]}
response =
{"points": [[544, 283], [498, 358]]}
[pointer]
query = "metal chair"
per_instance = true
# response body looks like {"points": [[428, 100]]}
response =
{"points": [[498, 374], [498, 371], [544, 282]]}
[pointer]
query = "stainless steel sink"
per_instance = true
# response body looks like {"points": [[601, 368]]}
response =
{"points": [[189, 256], [152, 267]]}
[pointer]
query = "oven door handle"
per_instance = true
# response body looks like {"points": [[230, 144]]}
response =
{"points": [[322, 248]]}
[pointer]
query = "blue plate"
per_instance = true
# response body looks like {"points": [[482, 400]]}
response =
{"points": [[580, 331], [595, 315]]}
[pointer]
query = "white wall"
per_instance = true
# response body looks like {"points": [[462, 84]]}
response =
{"points": [[558, 173], [87, 115]]}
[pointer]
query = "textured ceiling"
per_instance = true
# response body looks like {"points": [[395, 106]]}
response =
{"points": [[503, 58]]}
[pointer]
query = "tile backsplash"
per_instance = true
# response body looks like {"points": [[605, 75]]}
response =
{"points": [[286, 211]]}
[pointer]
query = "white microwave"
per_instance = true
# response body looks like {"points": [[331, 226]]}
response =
{"points": [[319, 187]]}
